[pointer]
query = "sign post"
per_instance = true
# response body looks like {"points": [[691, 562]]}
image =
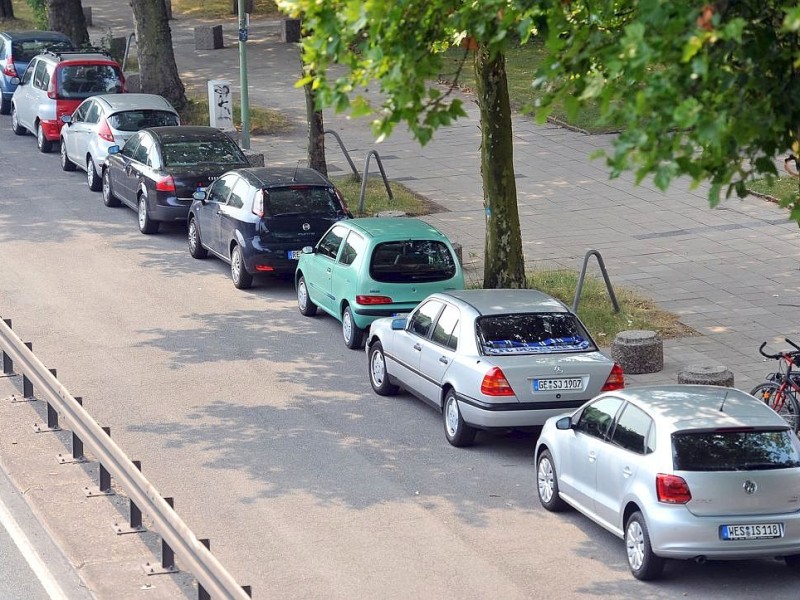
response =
{"points": [[244, 19]]}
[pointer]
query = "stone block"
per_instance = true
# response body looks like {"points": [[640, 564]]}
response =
{"points": [[290, 30], [87, 15], [706, 375], [256, 159], [208, 37], [638, 351]]}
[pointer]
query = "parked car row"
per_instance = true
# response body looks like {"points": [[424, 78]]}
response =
{"points": [[695, 472]]}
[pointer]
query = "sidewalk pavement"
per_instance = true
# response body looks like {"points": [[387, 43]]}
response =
{"points": [[730, 273]]}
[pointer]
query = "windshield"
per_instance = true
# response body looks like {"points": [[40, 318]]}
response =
{"points": [[81, 81], [409, 261], [25, 50], [305, 200], [186, 153], [734, 450], [532, 333], [134, 120]]}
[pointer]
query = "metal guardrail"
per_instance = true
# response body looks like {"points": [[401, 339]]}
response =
{"points": [[581, 277], [198, 560]]}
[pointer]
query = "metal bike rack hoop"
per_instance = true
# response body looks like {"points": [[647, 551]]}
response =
{"points": [[581, 277]]}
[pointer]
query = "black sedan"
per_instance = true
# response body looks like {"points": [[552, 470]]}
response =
{"points": [[259, 219], [159, 169]]}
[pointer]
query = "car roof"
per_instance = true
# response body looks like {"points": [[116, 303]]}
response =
{"points": [[394, 228], [284, 176], [36, 35], [505, 301], [701, 406], [118, 102], [68, 57], [184, 132]]}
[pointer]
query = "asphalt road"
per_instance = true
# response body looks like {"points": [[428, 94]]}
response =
{"points": [[263, 427]]}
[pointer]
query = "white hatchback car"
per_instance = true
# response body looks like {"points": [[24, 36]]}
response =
{"points": [[680, 471], [107, 120]]}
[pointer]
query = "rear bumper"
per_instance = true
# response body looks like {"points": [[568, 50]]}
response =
{"points": [[170, 208], [677, 533], [503, 415], [272, 259], [51, 129]]}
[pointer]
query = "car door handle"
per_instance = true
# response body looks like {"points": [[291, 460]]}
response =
{"points": [[592, 456], [328, 270], [443, 359], [627, 472], [417, 347]]}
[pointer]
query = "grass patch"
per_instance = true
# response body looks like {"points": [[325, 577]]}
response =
{"points": [[597, 312], [522, 63], [23, 19], [263, 121], [220, 8], [780, 187], [376, 199]]}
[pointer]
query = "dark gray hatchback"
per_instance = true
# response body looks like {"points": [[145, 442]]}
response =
{"points": [[259, 219]]}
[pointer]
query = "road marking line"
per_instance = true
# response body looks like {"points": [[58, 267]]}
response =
{"points": [[31, 556]]}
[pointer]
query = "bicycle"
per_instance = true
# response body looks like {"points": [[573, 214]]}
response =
{"points": [[780, 391]]}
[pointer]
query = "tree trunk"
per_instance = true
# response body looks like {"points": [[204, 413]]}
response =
{"points": [[157, 67], [67, 17], [316, 133], [6, 9], [504, 265]]}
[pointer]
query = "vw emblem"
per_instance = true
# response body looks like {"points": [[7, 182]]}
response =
{"points": [[558, 369], [306, 226], [750, 487]]}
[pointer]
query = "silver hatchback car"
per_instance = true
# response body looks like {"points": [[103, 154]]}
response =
{"points": [[681, 471]]}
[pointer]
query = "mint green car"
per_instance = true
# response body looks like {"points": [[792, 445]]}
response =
{"points": [[364, 269]]}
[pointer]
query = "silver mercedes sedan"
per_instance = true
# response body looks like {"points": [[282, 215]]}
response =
{"points": [[680, 471], [490, 359]]}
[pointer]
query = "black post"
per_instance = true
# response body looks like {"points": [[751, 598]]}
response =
{"points": [[202, 594], [52, 415], [77, 446], [8, 364], [136, 514], [167, 555], [27, 386], [248, 590], [105, 476]]}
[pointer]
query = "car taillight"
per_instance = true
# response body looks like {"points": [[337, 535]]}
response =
{"points": [[104, 131], [672, 489], [165, 184], [615, 380], [51, 87], [495, 383], [373, 300], [9, 69], [340, 196], [258, 204]]}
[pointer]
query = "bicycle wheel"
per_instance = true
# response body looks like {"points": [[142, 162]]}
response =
{"points": [[782, 402]]}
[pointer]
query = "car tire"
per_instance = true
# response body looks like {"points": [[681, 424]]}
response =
{"points": [[643, 563], [241, 278], [146, 224], [5, 106], [93, 180], [547, 483], [456, 430], [352, 333], [15, 125], [66, 163], [792, 561], [42, 142], [378, 377], [195, 244], [109, 198], [304, 303]]}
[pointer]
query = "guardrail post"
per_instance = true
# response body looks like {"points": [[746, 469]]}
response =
{"points": [[52, 415], [167, 555], [77, 446], [105, 478], [136, 514], [8, 364], [247, 589], [202, 594], [27, 385]]}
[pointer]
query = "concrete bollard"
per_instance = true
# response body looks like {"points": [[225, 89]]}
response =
{"points": [[706, 375], [638, 351], [290, 30]]}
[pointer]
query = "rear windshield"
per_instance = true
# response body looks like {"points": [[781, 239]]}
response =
{"points": [[302, 200], [412, 261], [734, 450], [81, 81], [134, 120], [25, 50], [186, 153], [532, 333]]}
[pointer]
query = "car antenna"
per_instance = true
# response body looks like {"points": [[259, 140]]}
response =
{"points": [[722, 406], [296, 167]]}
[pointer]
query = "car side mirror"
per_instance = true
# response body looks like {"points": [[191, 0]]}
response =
{"points": [[564, 423], [399, 323], [308, 249], [113, 149], [15, 81], [201, 195], [66, 119]]}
